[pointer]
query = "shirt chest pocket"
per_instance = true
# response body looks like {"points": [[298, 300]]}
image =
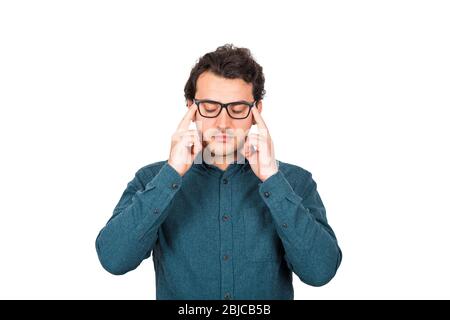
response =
{"points": [[261, 238]]}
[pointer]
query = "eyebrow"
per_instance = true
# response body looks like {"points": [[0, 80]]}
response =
{"points": [[211, 100]]}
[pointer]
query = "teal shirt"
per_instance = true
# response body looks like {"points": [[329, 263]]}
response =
{"points": [[220, 234]]}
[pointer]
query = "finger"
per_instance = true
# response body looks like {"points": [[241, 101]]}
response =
{"points": [[188, 117], [244, 149], [255, 137], [259, 120], [189, 137], [180, 134], [264, 142], [253, 141], [193, 146], [264, 146], [197, 146], [249, 153], [192, 132]]}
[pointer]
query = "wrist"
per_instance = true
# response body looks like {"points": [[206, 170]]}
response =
{"points": [[175, 167], [268, 175]]}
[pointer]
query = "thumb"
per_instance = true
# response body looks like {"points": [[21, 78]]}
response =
{"points": [[249, 152], [197, 146]]}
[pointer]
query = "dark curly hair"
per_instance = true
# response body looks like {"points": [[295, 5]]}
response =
{"points": [[230, 62]]}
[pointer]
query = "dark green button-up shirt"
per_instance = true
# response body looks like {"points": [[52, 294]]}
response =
{"points": [[220, 234]]}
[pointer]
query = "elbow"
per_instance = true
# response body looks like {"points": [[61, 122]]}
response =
{"points": [[112, 266], [323, 273], [319, 280], [109, 261]]}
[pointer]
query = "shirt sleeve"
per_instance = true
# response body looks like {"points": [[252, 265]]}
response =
{"points": [[311, 248], [130, 234]]}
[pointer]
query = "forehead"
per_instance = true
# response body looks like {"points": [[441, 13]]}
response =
{"points": [[211, 86]]}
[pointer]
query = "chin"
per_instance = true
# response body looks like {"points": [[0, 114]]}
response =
{"points": [[222, 149]]}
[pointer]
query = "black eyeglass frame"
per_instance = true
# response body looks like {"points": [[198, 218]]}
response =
{"points": [[225, 105]]}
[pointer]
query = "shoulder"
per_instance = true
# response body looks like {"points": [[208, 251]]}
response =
{"points": [[298, 177], [147, 172]]}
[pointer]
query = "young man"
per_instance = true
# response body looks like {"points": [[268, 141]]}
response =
{"points": [[223, 218]]}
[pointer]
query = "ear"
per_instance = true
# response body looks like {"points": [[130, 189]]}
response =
{"points": [[189, 102], [260, 107]]}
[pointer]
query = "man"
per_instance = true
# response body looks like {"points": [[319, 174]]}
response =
{"points": [[223, 218]]}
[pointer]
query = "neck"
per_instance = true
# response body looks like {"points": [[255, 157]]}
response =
{"points": [[222, 162], [222, 166]]}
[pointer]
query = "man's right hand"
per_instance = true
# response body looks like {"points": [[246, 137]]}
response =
{"points": [[186, 144]]}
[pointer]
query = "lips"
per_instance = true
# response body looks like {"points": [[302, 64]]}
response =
{"points": [[222, 138]]}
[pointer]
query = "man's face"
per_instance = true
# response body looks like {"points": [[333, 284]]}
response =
{"points": [[213, 87]]}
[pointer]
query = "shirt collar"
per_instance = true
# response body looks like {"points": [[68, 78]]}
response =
{"points": [[240, 165]]}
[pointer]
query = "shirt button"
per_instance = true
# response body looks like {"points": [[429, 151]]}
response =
{"points": [[284, 225], [225, 257], [266, 194], [227, 296], [156, 211], [225, 181], [174, 185], [225, 218]]}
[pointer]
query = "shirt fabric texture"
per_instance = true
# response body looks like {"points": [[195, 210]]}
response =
{"points": [[221, 234]]}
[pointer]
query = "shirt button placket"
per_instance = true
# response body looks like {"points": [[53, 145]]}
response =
{"points": [[226, 239]]}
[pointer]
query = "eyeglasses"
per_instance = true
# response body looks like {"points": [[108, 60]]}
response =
{"points": [[236, 110]]}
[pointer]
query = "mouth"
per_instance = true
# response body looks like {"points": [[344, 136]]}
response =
{"points": [[222, 138]]}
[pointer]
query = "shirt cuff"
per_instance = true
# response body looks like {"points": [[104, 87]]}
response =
{"points": [[275, 189], [167, 180]]}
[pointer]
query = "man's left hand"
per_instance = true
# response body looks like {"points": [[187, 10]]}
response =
{"points": [[262, 159]]}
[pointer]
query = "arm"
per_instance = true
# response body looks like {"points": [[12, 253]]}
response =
{"points": [[130, 234], [311, 248]]}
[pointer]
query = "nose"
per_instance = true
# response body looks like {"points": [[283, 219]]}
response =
{"points": [[223, 121]]}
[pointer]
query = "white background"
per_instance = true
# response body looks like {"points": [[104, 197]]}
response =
{"points": [[357, 93]]}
